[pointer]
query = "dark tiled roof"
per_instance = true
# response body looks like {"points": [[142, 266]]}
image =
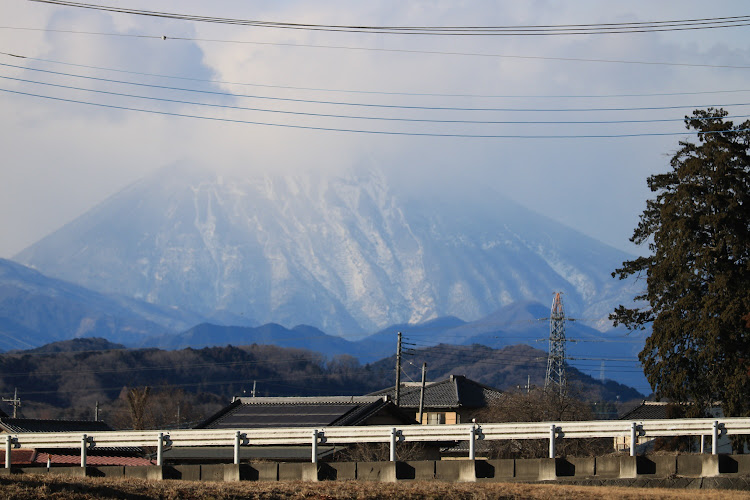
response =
{"points": [[300, 412], [40, 425], [648, 410], [454, 392]]}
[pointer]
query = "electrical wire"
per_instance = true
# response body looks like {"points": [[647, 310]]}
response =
{"points": [[379, 49], [385, 106], [376, 132], [561, 29], [355, 117], [375, 92]]}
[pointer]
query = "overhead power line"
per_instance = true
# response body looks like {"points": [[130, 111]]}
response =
{"points": [[372, 132], [376, 92], [380, 49], [354, 117], [385, 106], [517, 30]]}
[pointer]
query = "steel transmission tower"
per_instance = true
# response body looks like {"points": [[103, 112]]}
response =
{"points": [[556, 360]]}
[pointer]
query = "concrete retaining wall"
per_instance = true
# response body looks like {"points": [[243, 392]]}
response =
{"points": [[613, 467]]}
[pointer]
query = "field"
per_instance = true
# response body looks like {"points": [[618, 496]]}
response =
{"points": [[64, 488]]}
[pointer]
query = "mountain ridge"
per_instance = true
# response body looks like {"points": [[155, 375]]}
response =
{"points": [[345, 254]]}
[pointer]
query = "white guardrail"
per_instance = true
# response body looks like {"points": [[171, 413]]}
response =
{"points": [[380, 434]]}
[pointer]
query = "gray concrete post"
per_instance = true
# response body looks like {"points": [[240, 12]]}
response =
{"points": [[393, 444], [715, 438], [552, 441], [236, 447], [315, 446], [633, 437], [83, 451], [8, 446], [160, 449]]}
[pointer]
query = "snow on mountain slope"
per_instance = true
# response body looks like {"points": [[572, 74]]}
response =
{"points": [[346, 254]]}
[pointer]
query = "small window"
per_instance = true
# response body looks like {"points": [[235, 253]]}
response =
{"points": [[435, 418]]}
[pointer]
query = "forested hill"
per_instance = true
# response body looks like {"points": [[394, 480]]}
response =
{"points": [[68, 384]]}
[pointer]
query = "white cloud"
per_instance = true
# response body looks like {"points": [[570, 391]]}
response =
{"points": [[61, 158]]}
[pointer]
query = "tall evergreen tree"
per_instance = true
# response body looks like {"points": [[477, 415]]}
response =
{"points": [[697, 229]]}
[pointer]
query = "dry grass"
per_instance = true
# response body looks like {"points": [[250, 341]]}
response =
{"points": [[35, 487]]}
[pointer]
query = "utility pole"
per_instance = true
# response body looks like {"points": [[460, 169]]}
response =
{"points": [[556, 359], [15, 402], [253, 393], [421, 394], [96, 412], [398, 369]]}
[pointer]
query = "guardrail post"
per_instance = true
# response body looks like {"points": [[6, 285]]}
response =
{"points": [[715, 438], [236, 447], [315, 446], [83, 450], [552, 441], [633, 437], [160, 449], [8, 446], [703, 444], [393, 444], [472, 438]]}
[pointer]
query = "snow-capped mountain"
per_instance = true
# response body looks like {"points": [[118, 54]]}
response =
{"points": [[346, 254]]}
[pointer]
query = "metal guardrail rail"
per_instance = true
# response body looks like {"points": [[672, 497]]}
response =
{"points": [[381, 434]]}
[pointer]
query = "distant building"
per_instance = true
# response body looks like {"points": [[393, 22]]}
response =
{"points": [[307, 412], [24, 457], [253, 413], [451, 401]]}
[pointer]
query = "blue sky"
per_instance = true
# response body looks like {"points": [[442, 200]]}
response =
{"points": [[62, 158]]}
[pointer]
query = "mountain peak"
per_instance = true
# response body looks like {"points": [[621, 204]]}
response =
{"points": [[347, 254]]}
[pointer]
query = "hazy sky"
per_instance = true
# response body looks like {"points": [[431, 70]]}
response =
{"points": [[61, 158]]}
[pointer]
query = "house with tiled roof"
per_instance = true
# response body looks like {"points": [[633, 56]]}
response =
{"points": [[23, 457], [450, 401], [261, 412], [307, 412]]}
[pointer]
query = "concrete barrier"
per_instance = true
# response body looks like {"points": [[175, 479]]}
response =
{"points": [[298, 471], [616, 467], [212, 472], [106, 471], [418, 470], [182, 472], [535, 469], [152, 472], [261, 471], [463, 471], [656, 465], [628, 467], [575, 467], [66, 471], [690, 465], [743, 464], [377, 471], [497, 470], [337, 471]]}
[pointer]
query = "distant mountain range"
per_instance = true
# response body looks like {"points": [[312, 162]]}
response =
{"points": [[36, 310], [348, 255]]}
